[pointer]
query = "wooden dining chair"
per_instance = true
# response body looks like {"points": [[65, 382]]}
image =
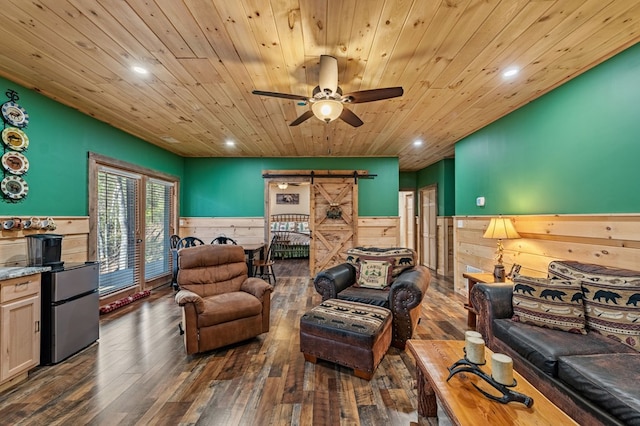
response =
{"points": [[264, 267], [173, 241], [189, 242], [173, 250], [224, 240]]}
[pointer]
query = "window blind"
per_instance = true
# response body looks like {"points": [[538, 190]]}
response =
{"points": [[117, 224], [158, 208]]}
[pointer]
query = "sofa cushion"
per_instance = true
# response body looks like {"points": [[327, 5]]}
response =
{"points": [[611, 297], [607, 313], [229, 307], [404, 258], [609, 380], [555, 304], [374, 273], [365, 295], [542, 346]]}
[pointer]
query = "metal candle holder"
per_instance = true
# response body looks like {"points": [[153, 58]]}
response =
{"points": [[508, 395]]}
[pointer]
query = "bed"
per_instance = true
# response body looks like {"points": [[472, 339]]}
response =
{"points": [[292, 235]]}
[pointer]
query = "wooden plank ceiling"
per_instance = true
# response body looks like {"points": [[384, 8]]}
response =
{"points": [[205, 57]]}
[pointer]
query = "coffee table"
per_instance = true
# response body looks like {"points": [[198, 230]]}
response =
{"points": [[462, 402]]}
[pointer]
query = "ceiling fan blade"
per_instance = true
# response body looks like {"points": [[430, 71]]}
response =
{"points": [[328, 74], [304, 117], [350, 118], [373, 95], [280, 95]]}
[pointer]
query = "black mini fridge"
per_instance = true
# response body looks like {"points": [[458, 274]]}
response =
{"points": [[70, 311]]}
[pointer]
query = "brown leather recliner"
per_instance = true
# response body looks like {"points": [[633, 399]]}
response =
{"points": [[221, 303]]}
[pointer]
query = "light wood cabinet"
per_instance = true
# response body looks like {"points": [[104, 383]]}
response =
{"points": [[19, 327]]}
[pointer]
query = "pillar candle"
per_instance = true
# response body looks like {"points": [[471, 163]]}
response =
{"points": [[471, 333], [502, 369], [475, 350]]}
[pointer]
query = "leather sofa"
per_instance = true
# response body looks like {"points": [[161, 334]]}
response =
{"points": [[593, 377], [221, 303], [403, 296]]}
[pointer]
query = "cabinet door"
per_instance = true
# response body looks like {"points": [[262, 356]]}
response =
{"points": [[19, 336]]}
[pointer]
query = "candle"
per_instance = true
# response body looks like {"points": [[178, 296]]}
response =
{"points": [[475, 350], [470, 333], [502, 369]]}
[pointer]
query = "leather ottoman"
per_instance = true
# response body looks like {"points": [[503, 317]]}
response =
{"points": [[352, 334]]}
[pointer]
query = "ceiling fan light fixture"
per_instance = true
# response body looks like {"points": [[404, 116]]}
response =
{"points": [[327, 110]]}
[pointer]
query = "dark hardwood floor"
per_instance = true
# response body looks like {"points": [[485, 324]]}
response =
{"points": [[138, 372]]}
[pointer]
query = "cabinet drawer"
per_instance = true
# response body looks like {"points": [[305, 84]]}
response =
{"points": [[16, 288]]}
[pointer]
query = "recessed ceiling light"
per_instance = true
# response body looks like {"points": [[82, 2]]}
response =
{"points": [[140, 70], [510, 72], [417, 142], [230, 143], [169, 139]]}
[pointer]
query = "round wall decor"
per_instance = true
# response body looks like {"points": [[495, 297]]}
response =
{"points": [[14, 114], [15, 139], [14, 187], [15, 163]]}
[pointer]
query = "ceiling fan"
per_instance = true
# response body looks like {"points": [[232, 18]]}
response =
{"points": [[327, 101]]}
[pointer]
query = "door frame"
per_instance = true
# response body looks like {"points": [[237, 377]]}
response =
{"points": [[300, 175], [408, 222], [432, 251], [97, 160]]}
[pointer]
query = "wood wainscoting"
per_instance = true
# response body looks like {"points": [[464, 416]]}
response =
{"points": [[13, 244], [383, 231], [608, 240], [244, 230]]}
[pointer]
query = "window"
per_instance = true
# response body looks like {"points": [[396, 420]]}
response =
{"points": [[132, 214], [157, 219], [117, 224]]}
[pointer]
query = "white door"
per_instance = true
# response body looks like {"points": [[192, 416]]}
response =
{"points": [[428, 226], [406, 211]]}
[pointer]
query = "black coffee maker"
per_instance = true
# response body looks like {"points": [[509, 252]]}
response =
{"points": [[44, 250]]}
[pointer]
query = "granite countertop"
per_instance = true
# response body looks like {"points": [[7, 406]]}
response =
{"points": [[21, 271]]}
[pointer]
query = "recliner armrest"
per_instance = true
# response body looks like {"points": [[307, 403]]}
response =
{"points": [[491, 301], [185, 296], [333, 280], [409, 288], [256, 287]]}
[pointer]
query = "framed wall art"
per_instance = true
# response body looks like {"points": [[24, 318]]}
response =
{"points": [[287, 198]]}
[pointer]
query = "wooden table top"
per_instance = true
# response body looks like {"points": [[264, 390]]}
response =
{"points": [[464, 404], [252, 247], [483, 277]]}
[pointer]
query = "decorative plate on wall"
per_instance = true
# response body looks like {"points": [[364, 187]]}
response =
{"points": [[14, 114], [14, 187], [15, 163], [15, 139]]}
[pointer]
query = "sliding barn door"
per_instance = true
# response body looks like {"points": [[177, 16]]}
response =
{"points": [[334, 211]]}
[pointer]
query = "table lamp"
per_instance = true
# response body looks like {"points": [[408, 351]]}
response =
{"points": [[500, 228]]}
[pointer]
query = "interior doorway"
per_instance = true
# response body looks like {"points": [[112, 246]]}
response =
{"points": [[428, 226], [333, 211], [406, 212]]}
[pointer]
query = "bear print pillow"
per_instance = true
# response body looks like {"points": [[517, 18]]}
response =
{"points": [[555, 304]]}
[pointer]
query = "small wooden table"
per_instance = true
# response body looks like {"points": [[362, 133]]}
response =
{"points": [[474, 278], [462, 402], [250, 250]]}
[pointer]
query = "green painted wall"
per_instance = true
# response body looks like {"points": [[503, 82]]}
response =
{"points": [[441, 174], [408, 181], [234, 187], [60, 140], [574, 150]]}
